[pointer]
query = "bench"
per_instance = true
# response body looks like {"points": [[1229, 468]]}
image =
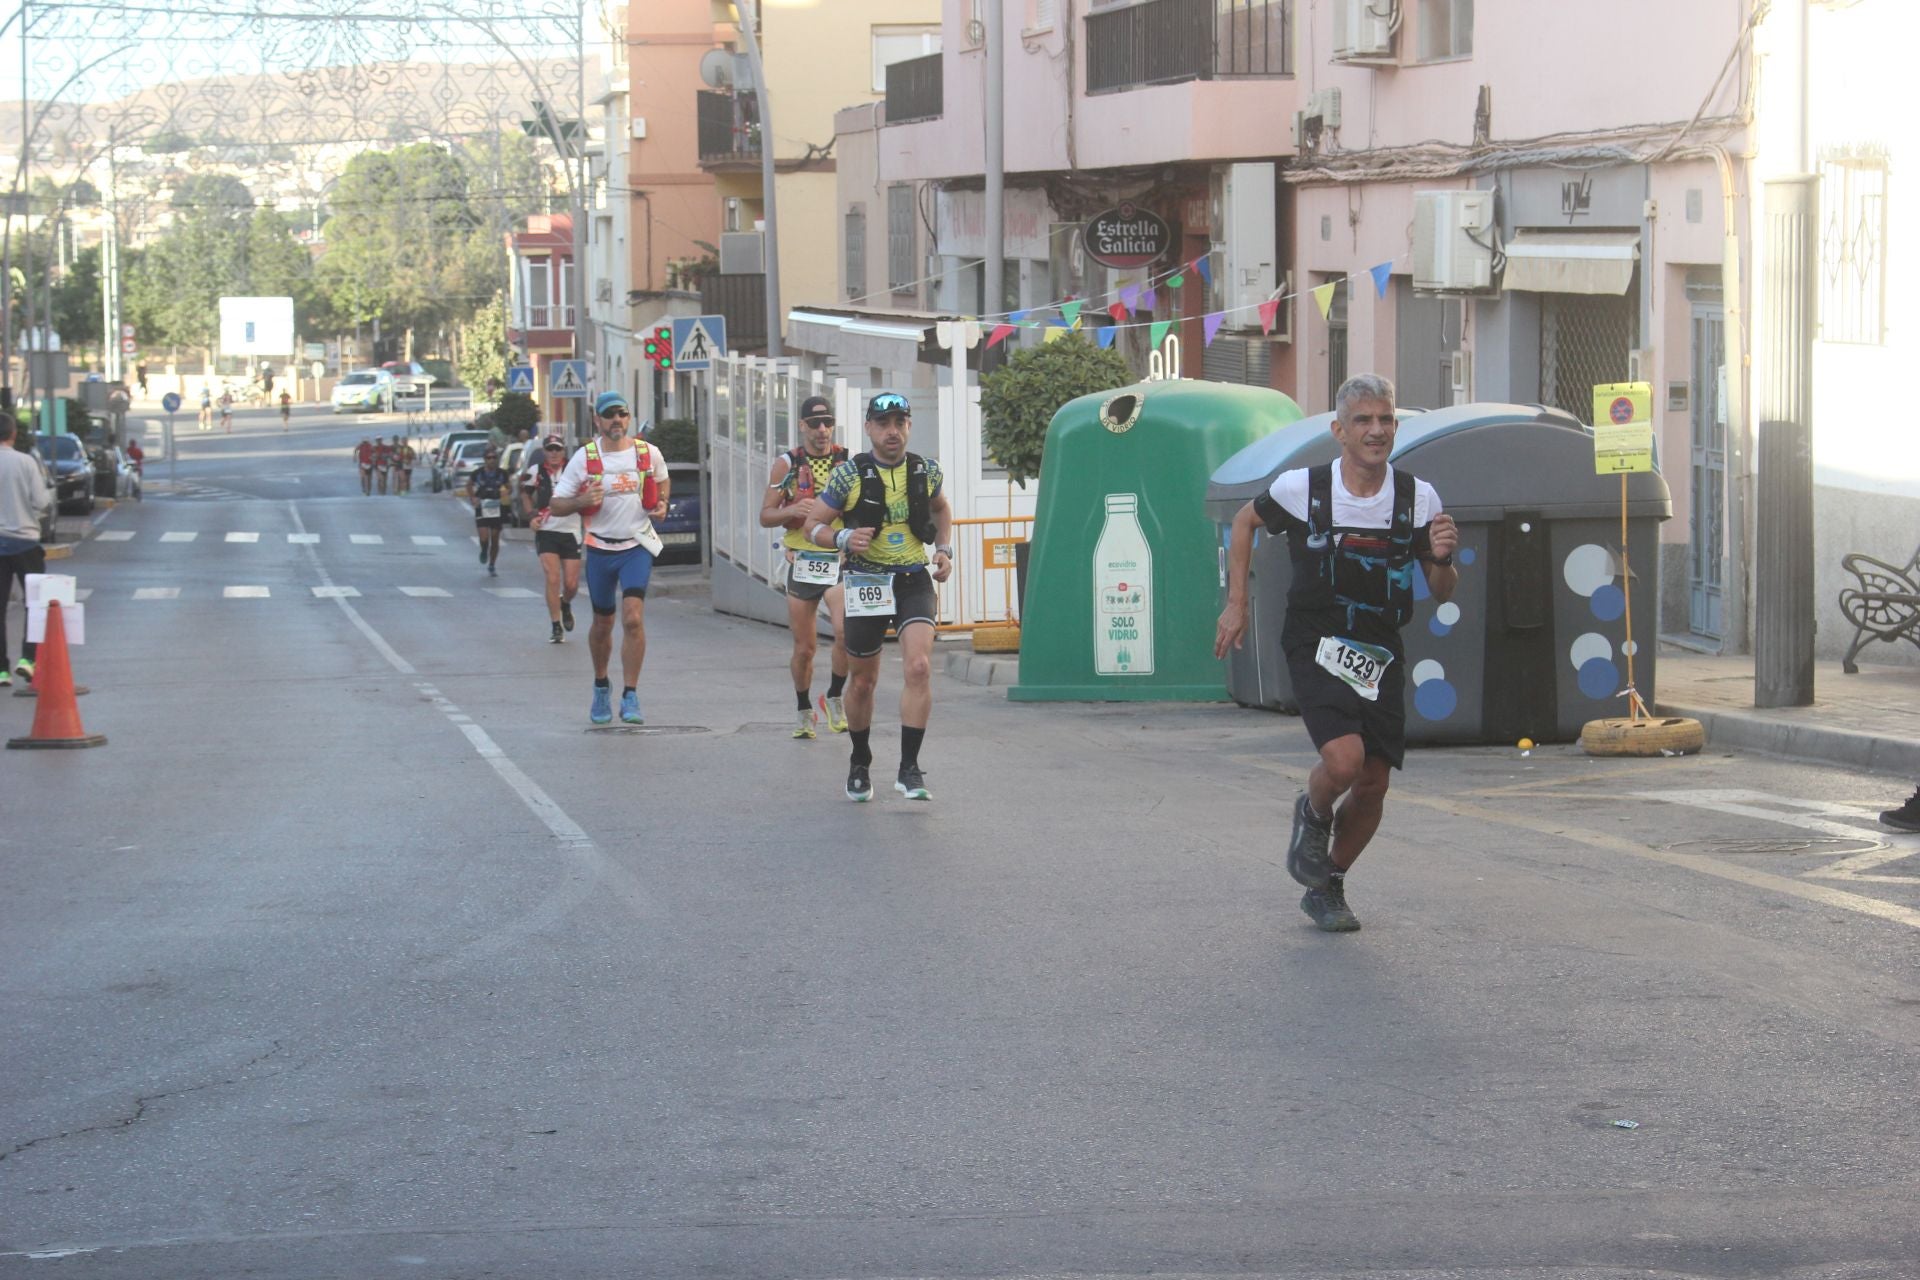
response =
{"points": [[1882, 604]]}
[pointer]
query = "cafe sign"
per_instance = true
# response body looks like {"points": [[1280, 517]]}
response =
{"points": [[1128, 237]]}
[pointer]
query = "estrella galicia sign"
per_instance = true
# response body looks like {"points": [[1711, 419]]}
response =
{"points": [[1128, 237]]}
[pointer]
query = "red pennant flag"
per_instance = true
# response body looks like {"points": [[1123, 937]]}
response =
{"points": [[1000, 332], [1119, 312], [1269, 312]]}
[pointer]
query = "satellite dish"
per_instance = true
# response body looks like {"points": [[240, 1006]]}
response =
{"points": [[716, 68]]}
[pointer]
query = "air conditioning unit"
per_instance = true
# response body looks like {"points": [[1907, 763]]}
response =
{"points": [[1453, 237], [1245, 256], [1364, 28], [742, 253]]}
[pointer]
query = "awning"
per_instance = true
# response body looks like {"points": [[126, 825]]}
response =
{"points": [[1572, 261]]}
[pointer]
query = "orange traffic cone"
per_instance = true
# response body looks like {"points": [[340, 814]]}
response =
{"points": [[56, 715]]}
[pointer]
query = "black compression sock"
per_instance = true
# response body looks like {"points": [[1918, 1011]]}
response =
{"points": [[835, 686], [862, 753], [625, 690], [805, 698], [910, 740], [601, 683]]}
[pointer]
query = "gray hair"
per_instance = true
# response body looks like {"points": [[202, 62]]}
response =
{"points": [[1361, 386]]}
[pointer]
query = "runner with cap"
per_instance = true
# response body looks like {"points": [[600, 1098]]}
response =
{"points": [[488, 492], [896, 528], [813, 575], [556, 539], [618, 484]]}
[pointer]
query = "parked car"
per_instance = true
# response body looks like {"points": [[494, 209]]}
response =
{"points": [[114, 475], [69, 468], [680, 529], [465, 460], [410, 377], [440, 458], [363, 389]]}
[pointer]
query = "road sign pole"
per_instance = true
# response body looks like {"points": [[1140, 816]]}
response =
{"points": [[172, 463]]}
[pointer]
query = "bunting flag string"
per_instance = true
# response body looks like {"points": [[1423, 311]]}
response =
{"points": [[1381, 275], [1130, 297], [1269, 313], [1323, 298], [1158, 331], [1105, 335], [1000, 332], [1119, 312], [1205, 268], [1071, 312], [1210, 325]]}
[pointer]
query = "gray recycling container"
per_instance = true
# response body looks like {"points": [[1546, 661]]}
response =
{"points": [[1532, 643]]}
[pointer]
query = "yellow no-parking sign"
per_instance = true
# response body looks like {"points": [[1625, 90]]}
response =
{"points": [[1622, 427]]}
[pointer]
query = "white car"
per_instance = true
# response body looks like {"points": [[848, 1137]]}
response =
{"points": [[369, 390]]}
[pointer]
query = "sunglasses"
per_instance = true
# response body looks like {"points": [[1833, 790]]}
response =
{"points": [[887, 404], [556, 448], [819, 420]]}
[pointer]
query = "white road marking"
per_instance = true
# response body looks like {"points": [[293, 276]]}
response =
{"points": [[179, 536], [157, 593], [366, 539], [243, 537], [511, 593], [428, 540], [304, 539], [1804, 814], [418, 592], [335, 593], [114, 535], [245, 593], [81, 593]]}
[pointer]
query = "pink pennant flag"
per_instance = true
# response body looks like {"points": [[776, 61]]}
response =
{"points": [[1210, 324], [1269, 312], [1000, 332]]}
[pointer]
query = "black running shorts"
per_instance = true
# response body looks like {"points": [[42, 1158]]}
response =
{"points": [[1331, 708], [914, 600], [564, 545]]}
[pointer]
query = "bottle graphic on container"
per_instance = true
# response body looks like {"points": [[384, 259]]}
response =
{"points": [[1122, 592]]}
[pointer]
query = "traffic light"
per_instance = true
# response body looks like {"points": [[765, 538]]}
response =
{"points": [[657, 347]]}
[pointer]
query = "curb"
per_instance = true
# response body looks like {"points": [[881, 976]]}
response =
{"points": [[986, 671], [1816, 743]]}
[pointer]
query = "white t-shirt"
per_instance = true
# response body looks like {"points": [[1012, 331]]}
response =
{"points": [[1289, 489], [621, 519]]}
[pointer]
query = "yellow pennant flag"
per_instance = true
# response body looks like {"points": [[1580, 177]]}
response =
{"points": [[1053, 331], [1324, 297]]}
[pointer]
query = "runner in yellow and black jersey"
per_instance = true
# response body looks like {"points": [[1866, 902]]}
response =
{"points": [[798, 478]]}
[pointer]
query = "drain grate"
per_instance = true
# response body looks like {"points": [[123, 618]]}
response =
{"points": [[1830, 846]]}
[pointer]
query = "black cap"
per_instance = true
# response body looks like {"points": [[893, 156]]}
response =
{"points": [[888, 402], [816, 407]]}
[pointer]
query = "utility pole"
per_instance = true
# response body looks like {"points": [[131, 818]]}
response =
{"points": [[748, 13], [992, 293]]}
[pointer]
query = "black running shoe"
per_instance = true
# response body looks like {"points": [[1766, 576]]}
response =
{"points": [[554, 638], [566, 614], [859, 785], [911, 784], [1907, 816], [1328, 907], [1309, 855]]}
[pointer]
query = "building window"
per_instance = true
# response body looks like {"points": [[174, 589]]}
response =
{"points": [[900, 238], [1043, 15], [1853, 247], [856, 257], [1446, 29], [897, 44], [1584, 341]]}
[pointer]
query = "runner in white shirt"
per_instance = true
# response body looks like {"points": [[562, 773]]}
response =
{"points": [[607, 482], [556, 539]]}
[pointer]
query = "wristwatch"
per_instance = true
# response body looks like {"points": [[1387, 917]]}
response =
{"points": [[943, 550], [1444, 561]]}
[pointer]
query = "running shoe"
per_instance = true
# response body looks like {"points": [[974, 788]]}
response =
{"points": [[1328, 907], [836, 713], [492, 572], [1309, 858], [911, 784], [24, 669], [602, 712], [566, 614], [555, 637], [1907, 816], [859, 785], [6, 676], [804, 729], [630, 708]]}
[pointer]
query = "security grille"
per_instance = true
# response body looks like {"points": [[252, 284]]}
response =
{"points": [[900, 238], [856, 259], [1584, 340], [1336, 342], [1248, 361], [1853, 256]]}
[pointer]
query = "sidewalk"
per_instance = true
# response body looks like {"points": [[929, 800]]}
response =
{"points": [[1869, 721]]}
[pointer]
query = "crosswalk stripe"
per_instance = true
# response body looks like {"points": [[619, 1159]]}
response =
{"points": [[335, 593], [179, 536], [428, 540], [245, 593], [366, 539], [307, 539], [418, 592], [511, 593], [81, 593], [114, 535], [157, 593], [243, 537]]}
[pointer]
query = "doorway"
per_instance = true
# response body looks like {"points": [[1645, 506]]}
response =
{"points": [[1707, 476]]}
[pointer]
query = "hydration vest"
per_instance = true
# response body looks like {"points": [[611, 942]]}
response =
{"points": [[800, 472], [870, 512], [1359, 572], [649, 487]]}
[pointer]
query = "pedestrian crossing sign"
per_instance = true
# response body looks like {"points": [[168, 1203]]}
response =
{"points": [[520, 379], [697, 340], [569, 380]]}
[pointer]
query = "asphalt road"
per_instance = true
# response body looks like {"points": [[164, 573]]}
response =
{"points": [[357, 953]]}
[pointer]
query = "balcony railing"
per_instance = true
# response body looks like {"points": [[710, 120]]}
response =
{"points": [[914, 89], [1166, 41], [742, 299], [728, 129], [549, 316]]}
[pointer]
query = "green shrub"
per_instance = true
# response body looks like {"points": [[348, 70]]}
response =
{"points": [[516, 412], [678, 438], [1019, 399]]}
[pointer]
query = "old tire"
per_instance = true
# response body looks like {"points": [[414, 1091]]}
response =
{"points": [[997, 638], [1659, 736]]}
